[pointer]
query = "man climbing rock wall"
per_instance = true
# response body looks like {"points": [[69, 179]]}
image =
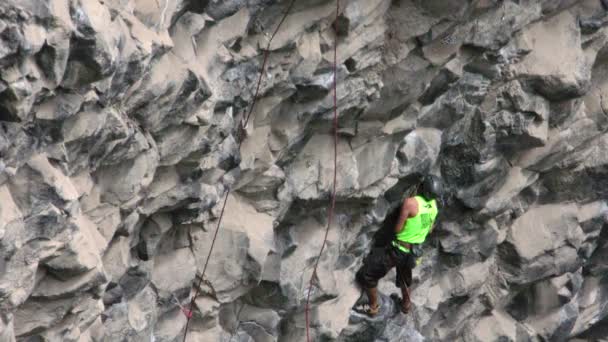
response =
{"points": [[118, 143]]}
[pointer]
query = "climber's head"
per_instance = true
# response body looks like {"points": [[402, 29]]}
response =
{"points": [[431, 188]]}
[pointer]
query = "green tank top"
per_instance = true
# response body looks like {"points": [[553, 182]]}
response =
{"points": [[417, 227]]}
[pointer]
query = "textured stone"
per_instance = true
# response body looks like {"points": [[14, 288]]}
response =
{"points": [[93, 51], [312, 170], [107, 219], [173, 272], [546, 296], [536, 237], [63, 106], [151, 235], [38, 315], [455, 103], [495, 28], [367, 156], [516, 180], [7, 333], [557, 324], [81, 254], [565, 76], [169, 326], [51, 287], [80, 318], [420, 151], [119, 138], [246, 233], [122, 183], [116, 259], [23, 250], [132, 320], [261, 324], [9, 211], [53, 178], [497, 326], [592, 305]]}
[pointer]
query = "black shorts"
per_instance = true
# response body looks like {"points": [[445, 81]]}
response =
{"points": [[380, 261]]}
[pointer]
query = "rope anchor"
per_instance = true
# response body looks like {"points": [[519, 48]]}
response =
{"points": [[187, 312]]}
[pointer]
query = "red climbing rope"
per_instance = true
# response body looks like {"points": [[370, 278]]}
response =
{"points": [[188, 312], [332, 205], [257, 89]]}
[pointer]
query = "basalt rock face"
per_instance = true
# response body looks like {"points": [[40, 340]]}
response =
{"points": [[119, 138]]}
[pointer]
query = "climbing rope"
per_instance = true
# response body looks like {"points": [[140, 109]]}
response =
{"points": [[333, 192], [240, 137]]}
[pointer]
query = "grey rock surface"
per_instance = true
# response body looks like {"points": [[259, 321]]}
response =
{"points": [[119, 138]]}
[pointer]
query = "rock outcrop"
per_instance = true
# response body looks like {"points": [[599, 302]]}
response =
{"points": [[119, 138]]}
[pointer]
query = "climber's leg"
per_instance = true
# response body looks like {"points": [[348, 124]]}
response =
{"points": [[374, 306], [406, 302], [404, 278], [375, 266]]}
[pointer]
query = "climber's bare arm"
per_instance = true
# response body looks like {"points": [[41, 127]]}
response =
{"points": [[409, 208]]}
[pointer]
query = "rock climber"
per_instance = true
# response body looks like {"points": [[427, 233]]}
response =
{"points": [[416, 218]]}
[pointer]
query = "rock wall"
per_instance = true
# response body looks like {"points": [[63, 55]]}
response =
{"points": [[118, 123]]}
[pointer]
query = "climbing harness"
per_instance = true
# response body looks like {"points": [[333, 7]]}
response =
{"points": [[240, 137], [333, 192]]}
